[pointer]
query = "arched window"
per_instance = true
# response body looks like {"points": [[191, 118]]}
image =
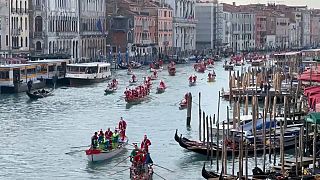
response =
{"points": [[26, 41], [21, 42], [38, 46], [25, 7], [38, 24]]}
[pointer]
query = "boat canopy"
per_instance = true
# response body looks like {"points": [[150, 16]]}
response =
{"points": [[313, 118], [93, 64], [259, 124]]}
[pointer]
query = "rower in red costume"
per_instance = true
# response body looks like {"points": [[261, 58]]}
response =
{"points": [[190, 79], [155, 74], [145, 144], [160, 62], [162, 85], [194, 78], [108, 134], [133, 77], [122, 127]]}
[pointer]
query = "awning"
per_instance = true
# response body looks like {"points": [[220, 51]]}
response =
{"points": [[313, 118]]}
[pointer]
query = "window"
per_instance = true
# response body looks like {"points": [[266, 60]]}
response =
{"points": [[7, 40], [21, 41], [26, 24], [21, 22], [26, 41], [0, 42], [25, 6], [165, 13]]}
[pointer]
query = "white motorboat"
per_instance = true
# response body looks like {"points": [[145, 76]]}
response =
{"points": [[101, 155], [87, 73]]}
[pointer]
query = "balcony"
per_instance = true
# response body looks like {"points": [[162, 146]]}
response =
{"points": [[146, 41], [38, 7], [16, 32], [38, 34]]}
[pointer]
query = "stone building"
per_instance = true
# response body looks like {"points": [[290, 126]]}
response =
{"points": [[19, 27], [54, 27], [184, 24], [4, 29], [93, 38]]}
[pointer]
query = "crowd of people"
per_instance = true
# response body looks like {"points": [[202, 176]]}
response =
{"points": [[141, 161], [109, 140], [138, 92]]}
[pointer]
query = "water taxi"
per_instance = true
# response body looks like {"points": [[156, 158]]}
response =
{"points": [[14, 78], [87, 73]]}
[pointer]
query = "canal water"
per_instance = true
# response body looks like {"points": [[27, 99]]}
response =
{"points": [[39, 139]]}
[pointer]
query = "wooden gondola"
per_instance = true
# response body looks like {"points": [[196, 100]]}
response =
{"points": [[201, 148], [208, 174], [172, 70], [39, 94]]}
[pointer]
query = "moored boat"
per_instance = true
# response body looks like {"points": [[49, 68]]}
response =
{"points": [[132, 65], [101, 155], [87, 73], [39, 94], [199, 147], [208, 174]]}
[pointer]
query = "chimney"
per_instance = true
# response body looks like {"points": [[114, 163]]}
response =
{"points": [[234, 3]]}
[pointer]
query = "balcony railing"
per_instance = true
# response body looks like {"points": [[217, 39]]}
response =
{"points": [[16, 32], [38, 34]]}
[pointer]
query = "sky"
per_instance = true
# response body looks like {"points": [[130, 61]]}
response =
{"points": [[310, 3]]}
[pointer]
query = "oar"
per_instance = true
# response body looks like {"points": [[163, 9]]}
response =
{"points": [[80, 146], [163, 167], [119, 171], [159, 176], [120, 162], [73, 152]]}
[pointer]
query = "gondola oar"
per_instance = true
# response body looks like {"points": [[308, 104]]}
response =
{"points": [[119, 171], [159, 176], [120, 162], [163, 168], [79, 146]]}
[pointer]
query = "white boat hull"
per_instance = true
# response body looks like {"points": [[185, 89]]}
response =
{"points": [[105, 155]]}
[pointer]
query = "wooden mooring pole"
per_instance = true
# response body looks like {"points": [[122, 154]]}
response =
{"points": [[189, 107], [200, 116]]}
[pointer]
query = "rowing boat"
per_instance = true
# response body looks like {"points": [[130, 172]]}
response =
{"points": [[161, 89], [39, 94], [94, 155]]}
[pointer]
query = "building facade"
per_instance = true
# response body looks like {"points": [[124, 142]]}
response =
{"points": [[93, 34], [243, 37], [282, 32], [54, 27], [206, 29], [164, 29], [184, 24], [315, 30], [19, 27], [145, 34], [4, 29], [261, 31]]}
